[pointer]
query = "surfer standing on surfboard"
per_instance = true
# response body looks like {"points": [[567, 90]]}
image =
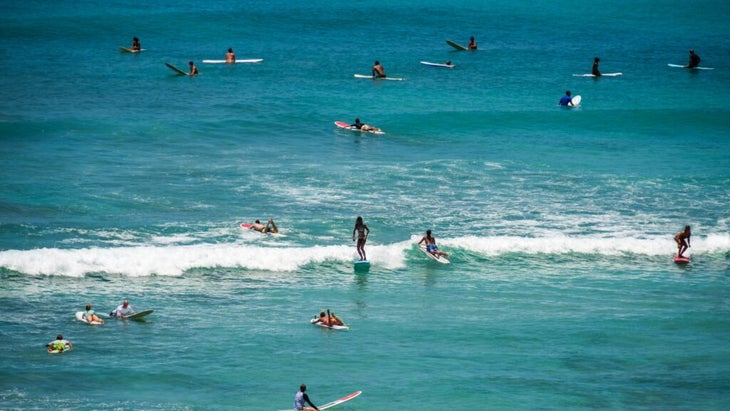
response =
{"points": [[301, 397], [682, 239], [362, 231], [378, 70], [431, 246]]}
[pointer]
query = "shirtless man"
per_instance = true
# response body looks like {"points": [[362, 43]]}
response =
{"points": [[230, 56], [682, 239], [431, 246], [378, 70]]}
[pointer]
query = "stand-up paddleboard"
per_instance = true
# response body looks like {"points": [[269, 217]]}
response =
{"points": [[316, 322], [602, 75], [128, 50], [371, 77], [362, 265], [177, 70], [690, 68], [681, 260], [237, 61], [80, 317], [428, 63], [441, 259], [348, 126], [456, 45]]}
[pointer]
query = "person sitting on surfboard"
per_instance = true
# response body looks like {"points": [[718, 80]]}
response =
{"points": [[682, 239], [90, 316], [301, 397], [123, 310], [136, 46], [431, 246], [694, 59], [472, 44], [378, 70], [230, 56], [270, 226], [595, 70], [193, 69], [362, 231], [363, 127], [566, 100], [59, 344]]}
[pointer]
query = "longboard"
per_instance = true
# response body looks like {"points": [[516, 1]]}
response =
{"points": [[371, 77], [128, 50], [428, 63], [456, 45], [602, 75], [329, 405], [348, 126], [681, 260], [441, 259], [315, 320], [177, 70], [80, 317], [690, 68], [140, 315], [237, 61], [362, 265]]}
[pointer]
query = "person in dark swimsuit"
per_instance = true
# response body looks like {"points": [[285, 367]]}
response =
{"points": [[362, 231]]}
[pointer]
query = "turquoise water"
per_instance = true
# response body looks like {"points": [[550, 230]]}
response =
{"points": [[122, 180]]}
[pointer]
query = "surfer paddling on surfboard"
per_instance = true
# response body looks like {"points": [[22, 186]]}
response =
{"points": [[363, 127], [682, 239], [431, 246], [90, 316], [300, 398], [270, 226]]}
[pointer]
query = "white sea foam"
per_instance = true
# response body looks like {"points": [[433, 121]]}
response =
{"points": [[174, 260]]}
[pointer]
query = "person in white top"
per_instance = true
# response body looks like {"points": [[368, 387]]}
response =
{"points": [[123, 310]]}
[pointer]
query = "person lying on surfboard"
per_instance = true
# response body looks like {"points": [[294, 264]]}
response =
{"points": [[472, 43], [431, 246], [363, 127], [682, 239], [378, 70], [59, 344], [270, 226], [90, 316]]}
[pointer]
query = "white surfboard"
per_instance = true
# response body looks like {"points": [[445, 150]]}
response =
{"points": [[690, 68], [441, 259], [378, 78], [80, 317], [339, 401], [602, 75], [237, 61], [576, 101], [428, 63]]}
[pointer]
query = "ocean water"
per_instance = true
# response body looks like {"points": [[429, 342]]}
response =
{"points": [[122, 180]]}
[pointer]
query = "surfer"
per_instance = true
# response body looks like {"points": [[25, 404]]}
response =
{"points": [[230, 56], [431, 246], [378, 70], [301, 397], [682, 239], [566, 100], [59, 344], [136, 46], [270, 226], [329, 319], [595, 70], [362, 231], [193, 69], [362, 126], [472, 44], [694, 59], [90, 316], [123, 310]]}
